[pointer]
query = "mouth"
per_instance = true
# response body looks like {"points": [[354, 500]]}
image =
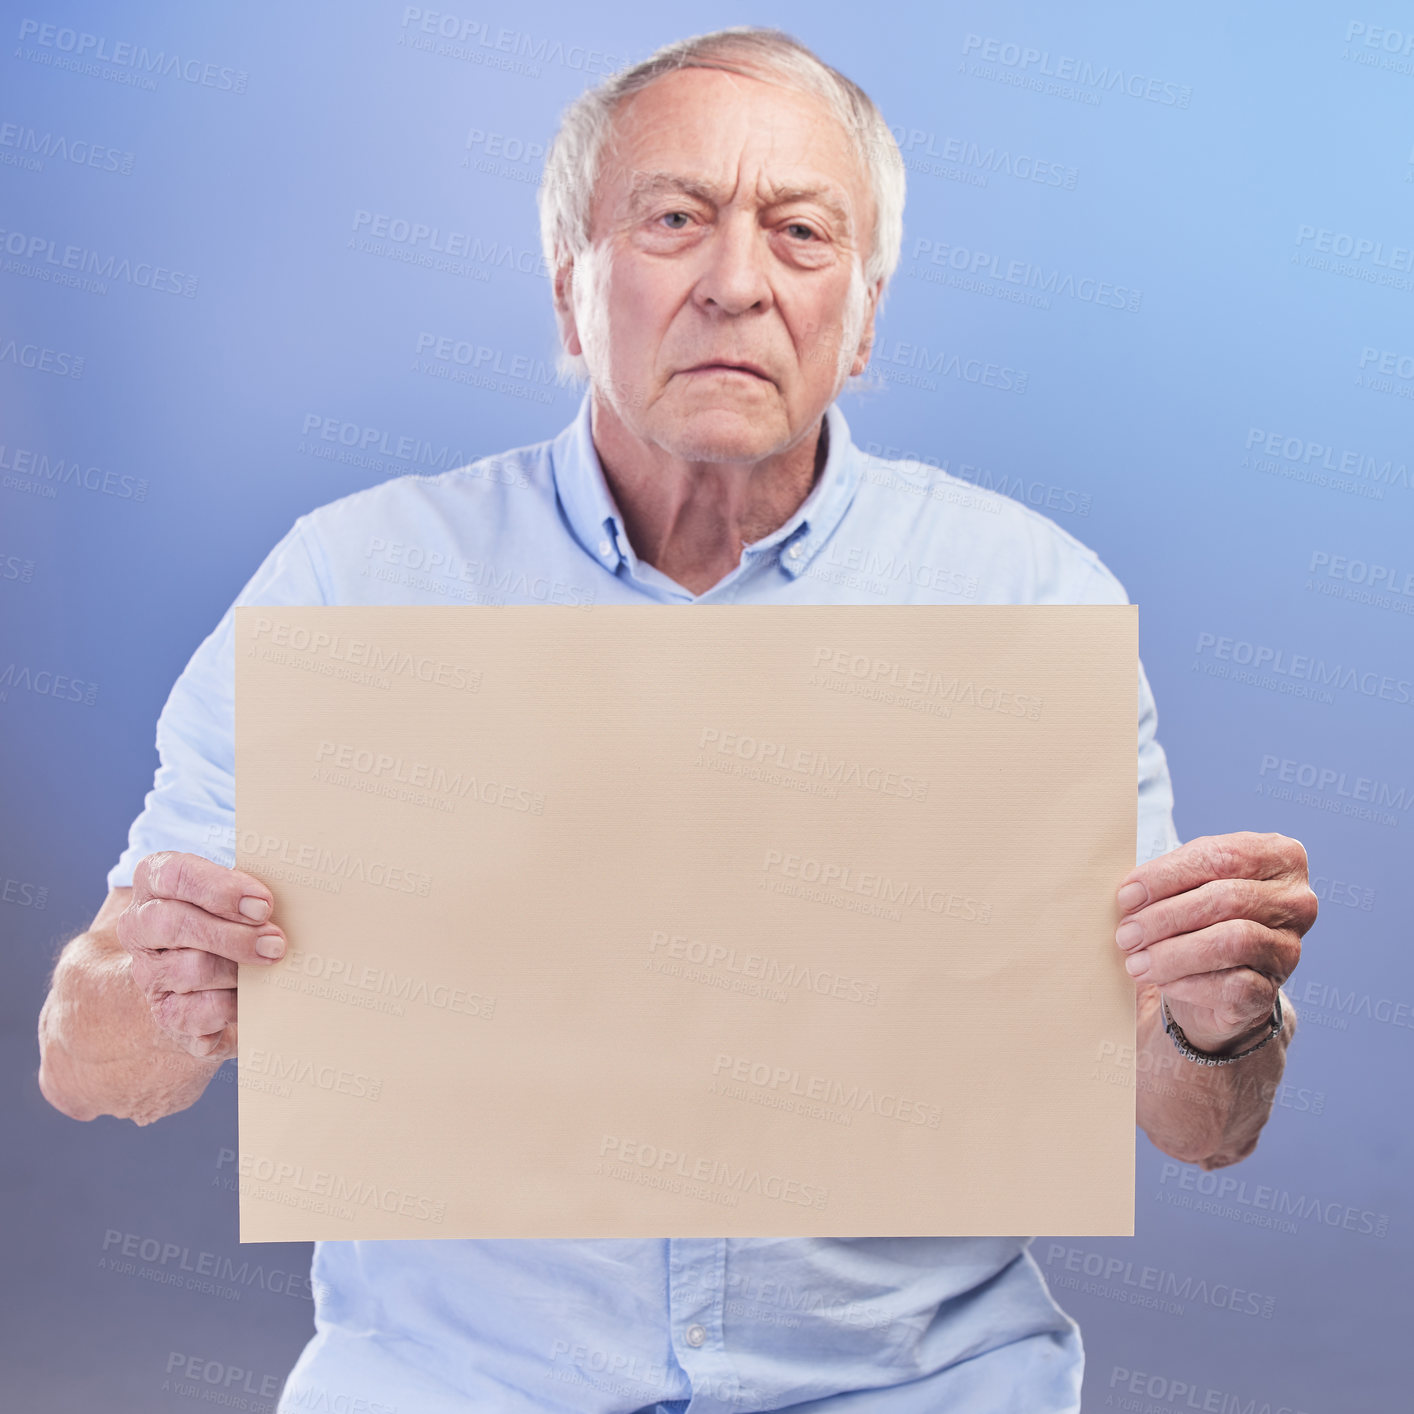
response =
{"points": [[750, 370]]}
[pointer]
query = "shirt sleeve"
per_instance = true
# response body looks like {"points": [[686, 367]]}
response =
{"points": [[1156, 834], [192, 804]]}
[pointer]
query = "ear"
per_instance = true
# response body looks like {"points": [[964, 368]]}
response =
{"points": [[866, 335], [564, 308]]}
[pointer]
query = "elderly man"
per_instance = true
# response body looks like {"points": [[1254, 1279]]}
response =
{"points": [[721, 221]]}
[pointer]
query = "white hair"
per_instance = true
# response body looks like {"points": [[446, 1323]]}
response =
{"points": [[572, 165]]}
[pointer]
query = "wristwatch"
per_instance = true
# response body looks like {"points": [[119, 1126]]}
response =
{"points": [[1206, 1057]]}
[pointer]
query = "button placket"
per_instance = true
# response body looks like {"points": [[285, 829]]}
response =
{"points": [[696, 1269]]}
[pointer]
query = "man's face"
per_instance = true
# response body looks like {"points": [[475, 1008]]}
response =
{"points": [[721, 304]]}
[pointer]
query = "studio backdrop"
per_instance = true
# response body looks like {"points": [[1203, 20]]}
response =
{"points": [[1157, 282]]}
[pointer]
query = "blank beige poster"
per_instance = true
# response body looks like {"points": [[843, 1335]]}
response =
{"points": [[668, 921]]}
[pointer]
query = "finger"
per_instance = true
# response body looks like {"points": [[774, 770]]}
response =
{"points": [[1238, 942], [228, 893], [1244, 855], [216, 1046], [219, 1045], [1237, 999], [195, 1014], [183, 970], [1276, 903], [162, 923]]}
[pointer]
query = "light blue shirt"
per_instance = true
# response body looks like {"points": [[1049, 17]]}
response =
{"points": [[673, 1325]]}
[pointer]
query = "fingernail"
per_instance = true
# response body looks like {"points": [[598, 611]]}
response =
{"points": [[1132, 895], [1137, 965], [270, 945], [1127, 934], [256, 909]]}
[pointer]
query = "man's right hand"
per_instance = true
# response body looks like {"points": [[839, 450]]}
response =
{"points": [[187, 926]]}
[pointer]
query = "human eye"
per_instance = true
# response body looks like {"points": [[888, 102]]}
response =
{"points": [[800, 231], [675, 220]]}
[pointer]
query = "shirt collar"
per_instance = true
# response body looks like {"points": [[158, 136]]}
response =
{"points": [[597, 523]]}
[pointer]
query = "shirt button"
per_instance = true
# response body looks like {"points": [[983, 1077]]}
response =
{"points": [[605, 548], [794, 551], [695, 1335]]}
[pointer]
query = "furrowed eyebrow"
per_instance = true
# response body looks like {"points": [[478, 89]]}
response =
{"points": [[648, 186], [822, 196]]}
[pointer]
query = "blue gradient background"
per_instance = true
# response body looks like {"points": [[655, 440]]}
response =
{"points": [[1295, 118]]}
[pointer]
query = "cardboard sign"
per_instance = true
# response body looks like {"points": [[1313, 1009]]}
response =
{"points": [[669, 921]]}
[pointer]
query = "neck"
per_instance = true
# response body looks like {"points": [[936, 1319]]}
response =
{"points": [[690, 519]]}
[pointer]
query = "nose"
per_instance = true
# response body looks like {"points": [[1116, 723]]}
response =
{"points": [[733, 280]]}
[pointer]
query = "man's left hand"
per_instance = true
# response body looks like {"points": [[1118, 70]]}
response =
{"points": [[1217, 924]]}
